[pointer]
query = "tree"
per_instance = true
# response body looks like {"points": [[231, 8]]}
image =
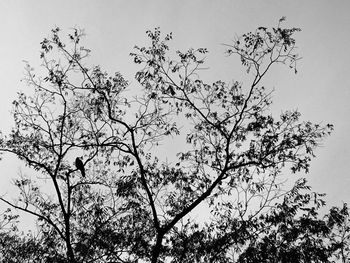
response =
{"points": [[135, 206], [293, 232]]}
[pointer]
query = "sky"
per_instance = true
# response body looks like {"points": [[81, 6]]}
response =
{"points": [[320, 90]]}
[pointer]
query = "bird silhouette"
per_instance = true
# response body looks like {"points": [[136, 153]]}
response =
{"points": [[80, 166]]}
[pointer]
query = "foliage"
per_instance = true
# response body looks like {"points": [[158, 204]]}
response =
{"points": [[133, 205]]}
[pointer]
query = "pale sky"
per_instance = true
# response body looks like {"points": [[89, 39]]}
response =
{"points": [[320, 90]]}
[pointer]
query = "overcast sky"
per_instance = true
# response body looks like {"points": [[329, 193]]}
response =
{"points": [[320, 90]]}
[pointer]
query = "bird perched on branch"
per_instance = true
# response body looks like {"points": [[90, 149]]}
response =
{"points": [[80, 166]]}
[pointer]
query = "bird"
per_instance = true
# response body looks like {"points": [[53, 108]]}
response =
{"points": [[80, 166]]}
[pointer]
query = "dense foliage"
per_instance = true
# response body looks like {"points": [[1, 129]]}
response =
{"points": [[130, 203]]}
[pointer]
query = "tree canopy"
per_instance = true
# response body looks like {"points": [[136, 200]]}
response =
{"points": [[102, 192]]}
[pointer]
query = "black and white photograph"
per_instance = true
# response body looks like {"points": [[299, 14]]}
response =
{"points": [[162, 131]]}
